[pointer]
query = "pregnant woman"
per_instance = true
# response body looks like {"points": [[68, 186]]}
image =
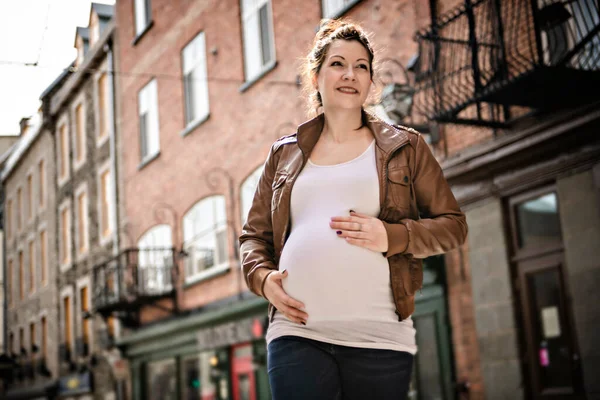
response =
{"points": [[344, 212]]}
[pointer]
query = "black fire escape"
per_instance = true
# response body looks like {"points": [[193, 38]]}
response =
{"points": [[486, 56], [134, 279]]}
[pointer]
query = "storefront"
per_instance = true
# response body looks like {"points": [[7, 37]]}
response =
{"points": [[214, 354]]}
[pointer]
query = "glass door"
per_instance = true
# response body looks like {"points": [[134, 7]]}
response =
{"points": [[550, 359]]}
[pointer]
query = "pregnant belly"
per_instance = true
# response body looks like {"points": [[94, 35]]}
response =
{"points": [[335, 280]]}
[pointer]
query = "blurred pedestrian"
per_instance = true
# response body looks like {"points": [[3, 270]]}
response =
{"points": [[344, 212]]}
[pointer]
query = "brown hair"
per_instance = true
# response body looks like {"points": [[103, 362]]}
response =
{"points": [[330, 30]]}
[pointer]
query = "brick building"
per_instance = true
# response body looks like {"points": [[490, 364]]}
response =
{"points": [[30, 285], [79, 113], [197, 89]]}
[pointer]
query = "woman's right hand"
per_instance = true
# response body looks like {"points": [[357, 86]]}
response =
{"points": [[273, 291]]}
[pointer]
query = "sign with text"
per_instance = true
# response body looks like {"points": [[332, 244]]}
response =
{"points": [[243, 330]]}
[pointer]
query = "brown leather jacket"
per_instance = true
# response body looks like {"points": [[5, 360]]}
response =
{"points": [[419, 212]]}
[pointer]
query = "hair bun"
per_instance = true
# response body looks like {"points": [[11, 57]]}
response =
{"points": [[327, 26]]}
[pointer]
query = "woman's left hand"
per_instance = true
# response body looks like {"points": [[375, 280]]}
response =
{"points": [[361, 230]]}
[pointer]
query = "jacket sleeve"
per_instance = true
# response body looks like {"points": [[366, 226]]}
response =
{"points": [[442, 225], [256, 240]]}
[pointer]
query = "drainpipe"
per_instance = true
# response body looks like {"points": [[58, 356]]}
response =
{"points": [[113, 156]]}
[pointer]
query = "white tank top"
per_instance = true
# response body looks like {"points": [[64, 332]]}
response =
{"points": [[346, 289]]}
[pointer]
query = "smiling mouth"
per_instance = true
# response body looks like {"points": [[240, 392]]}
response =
{"points": [[347, 90]]}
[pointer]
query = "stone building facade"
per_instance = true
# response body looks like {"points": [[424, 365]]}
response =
{"points": [[31, 269]]}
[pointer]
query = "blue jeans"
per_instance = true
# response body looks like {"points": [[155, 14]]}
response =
{"points": [[306, 369]]}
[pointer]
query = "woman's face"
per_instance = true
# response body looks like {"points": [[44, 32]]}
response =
{"points": [[345, 77]]}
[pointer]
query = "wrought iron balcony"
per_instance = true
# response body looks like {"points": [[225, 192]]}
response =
{"points": [[134, 278], [487, 55]]}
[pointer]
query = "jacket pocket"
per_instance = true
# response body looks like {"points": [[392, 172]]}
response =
{"points": [[399, 186], [278, 186]]}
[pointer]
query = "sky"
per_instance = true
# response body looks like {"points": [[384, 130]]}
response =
{"points": [[31, 31]]}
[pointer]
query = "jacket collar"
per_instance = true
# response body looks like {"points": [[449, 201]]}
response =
{"points": [[387, 137]]}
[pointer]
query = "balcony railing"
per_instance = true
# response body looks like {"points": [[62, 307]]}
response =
{"points": [[133, 277], [538, 54]]}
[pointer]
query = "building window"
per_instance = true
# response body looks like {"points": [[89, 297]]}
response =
{"points": [[44, 327], [155, 259], [332, 8], [161, 379], [247, 192], [11, 343], [205, 237], [31, 267], [197, 370], [29, 197], [63, 134], [43, 258], [19, 208], [8, 218], [94, 29], [82, 222], [105, 204], [148, 120], [42, 183], [65, 236], [22, 338], [195, 83], [9, 283], [80, 51], [67, 323], [21, 276], [32, 338], [259, 44], [102, 106], [143, 15], [79, 134], [85, 321]]}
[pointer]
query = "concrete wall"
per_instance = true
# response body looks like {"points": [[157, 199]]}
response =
{"points": [[579, 202], [492, 299]]}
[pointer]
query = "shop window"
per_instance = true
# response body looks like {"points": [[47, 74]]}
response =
{"points": [[200, 377], [161, 380]]}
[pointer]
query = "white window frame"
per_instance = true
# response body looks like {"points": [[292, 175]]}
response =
{"points": [[81, 283], [67, 292], [247, 190], [255, 67], [65, 205], [151, 273], [142, 14], [103, 240], [193, 61], [82, 189], [80, 101], [148, 102], [63, 121], [195, 229], [333, 8], [102, 70]]}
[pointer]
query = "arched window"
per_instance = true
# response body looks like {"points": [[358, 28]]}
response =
{"points": [[205, 238], [155, 260], [247, 192]]}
